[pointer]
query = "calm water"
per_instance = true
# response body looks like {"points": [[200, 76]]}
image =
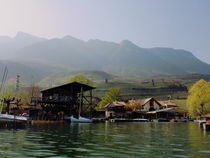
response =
{"points": [[107, 140]]}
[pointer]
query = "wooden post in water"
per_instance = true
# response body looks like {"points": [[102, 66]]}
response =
{"points": [[81, 101], [91, 96]]}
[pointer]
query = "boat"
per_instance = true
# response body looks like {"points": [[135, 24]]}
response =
{"points": [[8, 118], [199, 121], [12, 118], [161, 120], [80, 119]]}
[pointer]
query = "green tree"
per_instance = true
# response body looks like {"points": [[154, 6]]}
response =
{"points": [[112, 95], [198, 101], [81, 78], [26, 95], [6, 99]]}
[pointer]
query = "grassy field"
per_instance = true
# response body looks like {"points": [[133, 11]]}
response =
{"points": [[138, 90], [181, 103]]}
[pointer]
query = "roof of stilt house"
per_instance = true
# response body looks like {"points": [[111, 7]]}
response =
{"points": [[75, 86], [115, 104]]}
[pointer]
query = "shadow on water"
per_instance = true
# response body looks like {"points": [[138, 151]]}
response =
{"points": [[106, 140]]}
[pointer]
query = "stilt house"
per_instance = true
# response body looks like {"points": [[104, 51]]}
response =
{"points": [[67, 99]]}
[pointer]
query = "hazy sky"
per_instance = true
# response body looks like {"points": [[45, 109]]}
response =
{"points": [[183, 24]]}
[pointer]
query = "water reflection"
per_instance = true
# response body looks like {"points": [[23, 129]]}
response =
{"points": [[106, 140]]}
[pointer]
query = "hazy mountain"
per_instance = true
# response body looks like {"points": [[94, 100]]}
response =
{"points": [[123, 58], [38, 57], [9, 46]]}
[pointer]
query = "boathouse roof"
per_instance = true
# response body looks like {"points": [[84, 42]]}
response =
{"points": [[115, 104], [74, 86]]}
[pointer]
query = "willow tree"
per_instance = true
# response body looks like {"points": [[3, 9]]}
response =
{"points": [[113, 94], [198, 101], [6, 98], [23, 98], [81, 78]]}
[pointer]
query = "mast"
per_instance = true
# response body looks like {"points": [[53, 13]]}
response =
{"points": [[17, 83], [4, 78], [2, 87]]}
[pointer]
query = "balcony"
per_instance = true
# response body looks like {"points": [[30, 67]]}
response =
{"points": [[51, 99]]}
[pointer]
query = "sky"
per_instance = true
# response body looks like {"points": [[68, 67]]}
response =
{"points": [[180, 24]]}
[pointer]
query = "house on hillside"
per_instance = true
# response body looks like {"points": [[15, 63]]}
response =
{"points": [[115, 109], [145, 105]]}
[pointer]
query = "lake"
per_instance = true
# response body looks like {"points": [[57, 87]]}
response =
{"points": [[123, 140]]}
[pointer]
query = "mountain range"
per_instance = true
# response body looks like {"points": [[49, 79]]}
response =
{"points": [[29, 56]]}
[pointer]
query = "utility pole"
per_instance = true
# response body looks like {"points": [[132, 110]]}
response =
{"points": [[17, 83]]}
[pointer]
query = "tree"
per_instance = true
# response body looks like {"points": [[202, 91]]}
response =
{"points": [[27, 94], [113, 94], [34, 91], [198, 101], [81, 78], [6, 98]]}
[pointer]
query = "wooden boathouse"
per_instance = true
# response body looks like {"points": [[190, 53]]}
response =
{"points": [[60, 101]]}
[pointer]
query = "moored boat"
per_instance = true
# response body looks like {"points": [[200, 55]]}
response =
{"points": [[161, 120], [9, 117], [80, 119]]}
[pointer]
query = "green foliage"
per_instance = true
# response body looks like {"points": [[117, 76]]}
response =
{"points": [[5, 95], [25, 98], [26, 95], [112, 95], [90, 109], [198, 101], [181, 103], [81, 78]]}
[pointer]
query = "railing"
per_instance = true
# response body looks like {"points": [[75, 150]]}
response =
{"points": [[51, 99], [35, 99]]}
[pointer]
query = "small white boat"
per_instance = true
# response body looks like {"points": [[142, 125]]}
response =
{"points": [[199, 121], [80, 119], [8, 117]]}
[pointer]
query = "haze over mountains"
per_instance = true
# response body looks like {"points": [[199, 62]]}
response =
{"points": [[29, 55]]}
